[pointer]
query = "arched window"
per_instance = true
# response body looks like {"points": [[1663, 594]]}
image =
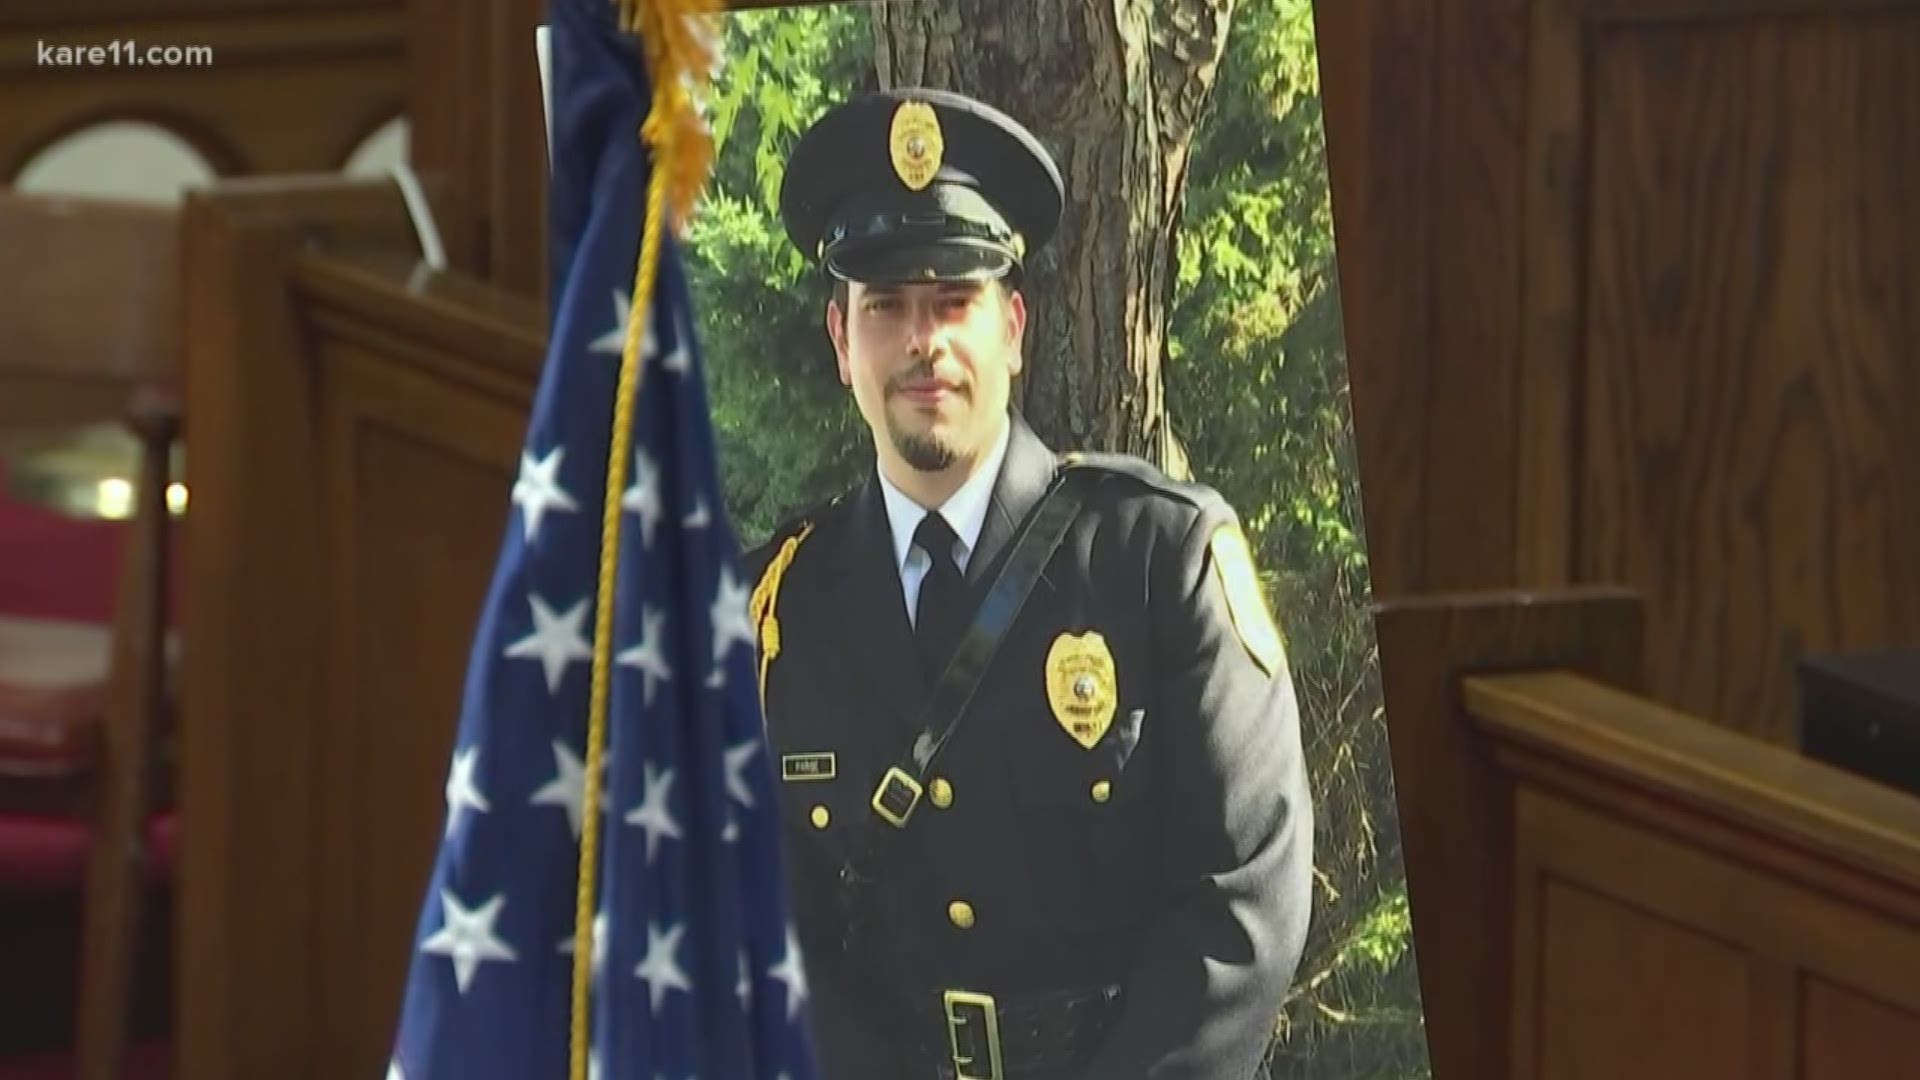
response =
{"points": [[384, 148], [118, 159]]}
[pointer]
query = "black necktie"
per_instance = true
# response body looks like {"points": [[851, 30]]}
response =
{"points": [[940, 616]]}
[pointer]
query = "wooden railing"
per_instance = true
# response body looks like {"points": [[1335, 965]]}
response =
{"points": [[1742, 911], [1604, 887]]}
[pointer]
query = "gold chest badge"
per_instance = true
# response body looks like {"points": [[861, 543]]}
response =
{"points": [[1081, 687], [916, 143]]}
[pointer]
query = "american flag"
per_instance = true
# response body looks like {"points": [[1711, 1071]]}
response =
{"points": [[696, 972]]}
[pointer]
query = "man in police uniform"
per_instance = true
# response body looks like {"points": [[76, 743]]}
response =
{"points": [[1038, 741]]}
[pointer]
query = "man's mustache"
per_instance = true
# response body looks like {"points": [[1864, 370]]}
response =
{"points": [[921, 372]]}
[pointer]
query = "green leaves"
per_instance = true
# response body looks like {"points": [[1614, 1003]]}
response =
{"points": [[788, 435]]}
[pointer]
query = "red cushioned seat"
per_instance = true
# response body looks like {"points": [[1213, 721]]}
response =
{"points": [[53, 694], [48, 855], [50, 734], [96, 314], [53, 566]]}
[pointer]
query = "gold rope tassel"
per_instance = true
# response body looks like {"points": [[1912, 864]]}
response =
{"points": [[680, 57], [680, 38]]}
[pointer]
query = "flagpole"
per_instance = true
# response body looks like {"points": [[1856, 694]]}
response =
{"points": [[682, 155], [543, 57]]}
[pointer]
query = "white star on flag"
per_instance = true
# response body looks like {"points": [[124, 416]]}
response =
{"points": [[393, 1071], [791, 972], [614, 341], [659, 968], [568, 788], [647, 655], [643, 497], [466, 937], [599, 943], [698, 518], [730, 621], [737, 758], [653, 814], [461, 792], [680, 360], [556, 640], [743, 986], [538, 489]]}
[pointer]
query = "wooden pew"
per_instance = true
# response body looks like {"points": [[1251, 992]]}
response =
{"points": [[1605, 887], [357, 424]]}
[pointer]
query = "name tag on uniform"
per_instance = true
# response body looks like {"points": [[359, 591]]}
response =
{"points": [[807, 766]]}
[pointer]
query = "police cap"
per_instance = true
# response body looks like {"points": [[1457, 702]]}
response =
{"points": [[917, 184]]}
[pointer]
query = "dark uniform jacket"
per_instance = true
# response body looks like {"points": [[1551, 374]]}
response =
{"points": [[1172, 858]]}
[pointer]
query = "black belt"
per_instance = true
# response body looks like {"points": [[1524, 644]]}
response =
{"points": [[964, 1035]]}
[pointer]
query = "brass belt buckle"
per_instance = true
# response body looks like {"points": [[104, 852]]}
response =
{"points": [[896, 797], [973, 1033]]}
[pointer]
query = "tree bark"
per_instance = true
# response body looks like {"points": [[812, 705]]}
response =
{"points": [[1115, 90]]}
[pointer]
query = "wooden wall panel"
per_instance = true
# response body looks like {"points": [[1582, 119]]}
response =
{"points": [[1629, 300], [1751, 339], [1690, 903], [1688, 1015], [1663, 937], [1454, 815], [414, 471], [40, 12], [478, 120], [1475, 245], [1376, 61], [248, 689], [1850, 1036], [293, 88], [347, 415]]}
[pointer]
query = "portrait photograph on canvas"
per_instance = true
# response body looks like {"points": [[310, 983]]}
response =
{"points": [[1183, 314]]}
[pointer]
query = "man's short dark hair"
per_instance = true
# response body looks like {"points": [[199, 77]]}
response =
{"points": [[843, 295]]}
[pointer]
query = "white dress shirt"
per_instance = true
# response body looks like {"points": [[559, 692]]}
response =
{"points": [[965, 511]]}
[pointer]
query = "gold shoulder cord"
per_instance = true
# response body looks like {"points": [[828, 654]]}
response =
{"points": [[760, 608]]}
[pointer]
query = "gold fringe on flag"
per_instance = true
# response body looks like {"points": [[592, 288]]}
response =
{"points": [[681, 43], [682, 54]]}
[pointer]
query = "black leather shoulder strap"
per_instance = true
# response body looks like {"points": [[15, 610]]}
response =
{"points": [[1046, 525], [869, 838]]}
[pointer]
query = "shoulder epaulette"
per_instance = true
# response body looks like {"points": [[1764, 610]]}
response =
{"points": [[1140, 471]]}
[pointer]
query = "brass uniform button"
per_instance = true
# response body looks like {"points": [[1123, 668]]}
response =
{"points": [[1102, 791], [821, 816], [941, 792], [961, 913]]}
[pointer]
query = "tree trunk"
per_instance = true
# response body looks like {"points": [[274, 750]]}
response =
{"points": [[1114, 89]]}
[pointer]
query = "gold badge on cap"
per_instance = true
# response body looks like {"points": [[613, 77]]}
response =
{"points": [[1246, 602], [916, 143], [1080, 686]]}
